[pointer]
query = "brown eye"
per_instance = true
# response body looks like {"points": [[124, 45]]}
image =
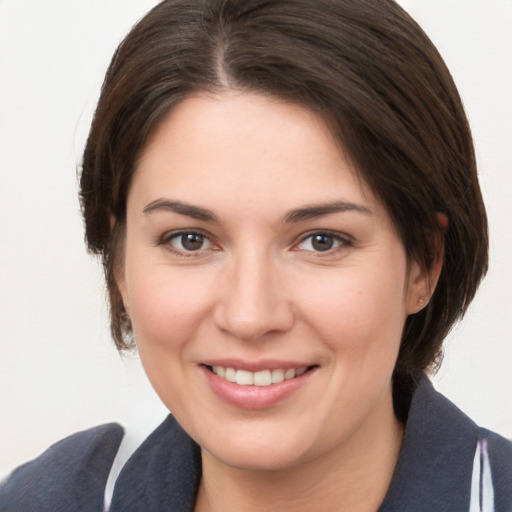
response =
{"points": [[186, 242], [323, 242], [192, 241]]}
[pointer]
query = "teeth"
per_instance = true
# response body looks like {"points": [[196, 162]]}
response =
{"points": [[277, 376], [244, 378], [219, 370], [289, 374], [262, 378], [230, 374]]}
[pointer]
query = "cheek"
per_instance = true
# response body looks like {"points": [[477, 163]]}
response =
{"points": [[165, 307], [359, 310], [167, 311]]}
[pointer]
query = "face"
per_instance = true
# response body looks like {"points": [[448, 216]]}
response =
{"points": [[266, 285]]}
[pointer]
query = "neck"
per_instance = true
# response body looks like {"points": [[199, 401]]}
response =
{"points": [[354, 477]]}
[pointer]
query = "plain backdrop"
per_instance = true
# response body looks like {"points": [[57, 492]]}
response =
{"points": [[59, 371]]}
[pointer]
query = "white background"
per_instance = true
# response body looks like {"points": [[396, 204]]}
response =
{"points": [[59, 372]]}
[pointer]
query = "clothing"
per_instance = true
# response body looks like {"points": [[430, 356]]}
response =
{"points": [[447, 464]]}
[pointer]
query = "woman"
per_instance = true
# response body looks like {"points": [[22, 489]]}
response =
{"points": [[282, 193]]}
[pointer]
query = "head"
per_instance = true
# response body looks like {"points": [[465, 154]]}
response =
{"points": [[368, 70]]}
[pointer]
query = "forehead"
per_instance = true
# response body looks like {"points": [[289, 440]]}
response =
{"points": [[246, 146]]}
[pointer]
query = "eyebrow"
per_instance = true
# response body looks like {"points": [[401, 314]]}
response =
{"points": [[296, 215], [319, 210], [182, 208]]}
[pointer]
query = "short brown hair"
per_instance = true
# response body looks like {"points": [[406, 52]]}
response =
{"points": [[366, 67]]}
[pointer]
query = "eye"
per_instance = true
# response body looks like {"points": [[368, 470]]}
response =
{"points": [[186, 242], [322, 242]]}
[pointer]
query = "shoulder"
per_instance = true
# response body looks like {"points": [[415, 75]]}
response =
{"points": [[500, 451], [447, 462], [493, 468], [490, 467], [162, 474], [70, 475]]}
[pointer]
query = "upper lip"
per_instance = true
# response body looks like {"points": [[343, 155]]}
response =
{"points": [[256, 366]]}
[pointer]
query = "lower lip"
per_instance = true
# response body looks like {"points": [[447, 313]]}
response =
{"points": [[254, 397]]}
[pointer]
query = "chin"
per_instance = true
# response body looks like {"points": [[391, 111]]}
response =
{"points": [[258, 450], [257, 458]]}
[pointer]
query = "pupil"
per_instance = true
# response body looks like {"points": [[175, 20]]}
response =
{"points": [[322, 242], [192, 241]]}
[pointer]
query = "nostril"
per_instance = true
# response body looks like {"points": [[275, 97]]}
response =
{"points": [[250, 321]]}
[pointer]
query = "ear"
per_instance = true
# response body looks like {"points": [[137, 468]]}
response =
{"points": [[118, 265], [121, 283], [423, 282]]}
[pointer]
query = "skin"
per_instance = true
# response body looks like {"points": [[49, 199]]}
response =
{"points": [[257, 289]]}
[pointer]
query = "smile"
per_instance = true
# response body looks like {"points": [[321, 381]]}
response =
{"points": [[261, 378]]}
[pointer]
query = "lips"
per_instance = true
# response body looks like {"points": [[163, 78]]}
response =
{"points": [[256, 386], [260, 378]]}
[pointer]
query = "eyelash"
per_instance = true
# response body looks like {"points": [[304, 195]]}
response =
{"points": [[339, 241], [166, 239]]}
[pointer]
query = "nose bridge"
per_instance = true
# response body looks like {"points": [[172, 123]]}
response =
{"points": [[254, 302]]}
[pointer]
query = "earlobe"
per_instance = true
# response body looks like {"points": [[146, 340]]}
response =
{"points": [[120, 281], [117, 268], [121, 286], [418, 295], [422, 283]]}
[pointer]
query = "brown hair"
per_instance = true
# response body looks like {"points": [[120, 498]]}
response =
{"points": [[373, 74]]}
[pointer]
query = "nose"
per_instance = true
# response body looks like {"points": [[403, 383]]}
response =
{"points": [[252, 304]]}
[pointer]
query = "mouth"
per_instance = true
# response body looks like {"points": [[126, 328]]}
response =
{"points": [[261, 378], [256, 385]]}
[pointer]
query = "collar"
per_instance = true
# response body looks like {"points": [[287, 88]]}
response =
{"points": [[436, 461], [433, 473]]}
